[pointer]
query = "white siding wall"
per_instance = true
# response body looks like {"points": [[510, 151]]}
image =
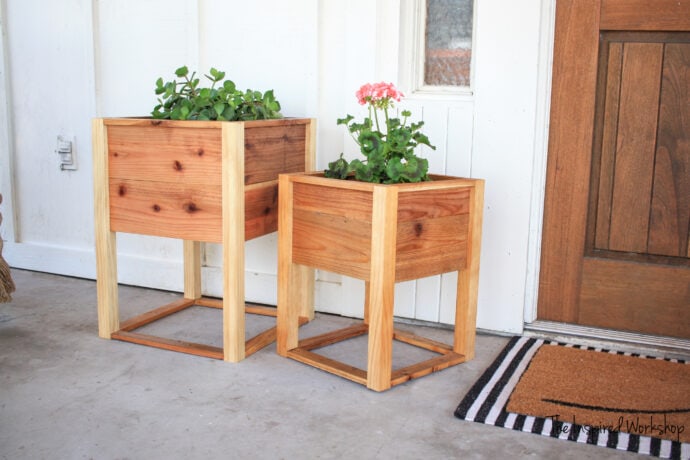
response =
{"points": [[70, 60], [50, 83]]}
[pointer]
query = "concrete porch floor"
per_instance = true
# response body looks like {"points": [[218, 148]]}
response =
{"points": [[65, 393]]}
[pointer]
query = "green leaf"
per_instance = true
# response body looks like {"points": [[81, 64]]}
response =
{"points": [[399, 139], [423, 139], [229, 113], [370, 143], [363, 172], [346, 120], [216, 75], [184, 98], [413, 170], [229, 86], [170, 89], [156, 113], [338, 169]]}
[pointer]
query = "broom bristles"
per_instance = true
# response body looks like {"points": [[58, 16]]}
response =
{"points": [[7, 286]]}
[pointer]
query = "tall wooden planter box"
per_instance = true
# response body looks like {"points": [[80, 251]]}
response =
{"points": [[198, 182], [381, 234]]}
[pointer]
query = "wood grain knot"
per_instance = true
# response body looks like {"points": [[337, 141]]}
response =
{"points": [[418, 229], [200, 152], [190, 207], [121, 190], [177, 166], [156, 208], [267, 210], [156, 122]]}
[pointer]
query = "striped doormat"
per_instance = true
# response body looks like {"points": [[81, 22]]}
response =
{"points": [[579, 394]]}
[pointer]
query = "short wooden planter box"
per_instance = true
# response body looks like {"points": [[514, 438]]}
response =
{"points": [[199, 182], [381, 234]]}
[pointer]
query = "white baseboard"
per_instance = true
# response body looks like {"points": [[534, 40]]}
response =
{"points": [[67, 261], [133, 270], [168, 275]]}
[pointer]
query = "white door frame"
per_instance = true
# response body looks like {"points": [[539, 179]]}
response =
{"points": [[8, 230]]}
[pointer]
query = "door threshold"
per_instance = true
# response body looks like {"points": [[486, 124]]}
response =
{"points": [[653, 345]]}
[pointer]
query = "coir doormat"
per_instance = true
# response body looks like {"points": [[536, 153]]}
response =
{"points": [[605, 398]]}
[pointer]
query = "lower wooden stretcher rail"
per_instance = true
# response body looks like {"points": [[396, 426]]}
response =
{"points": [[447, 357], [252, 345]]}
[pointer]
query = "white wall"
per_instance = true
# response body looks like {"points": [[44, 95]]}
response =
{"points": [[505, 133], [49, 76], [495, 131], [71, 60]]}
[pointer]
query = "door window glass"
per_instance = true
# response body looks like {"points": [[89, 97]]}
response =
{"points": [[448, 42]]}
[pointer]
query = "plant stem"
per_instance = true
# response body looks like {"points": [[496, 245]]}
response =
{"points": [[385, 111], [189, 85], [376, 117]]}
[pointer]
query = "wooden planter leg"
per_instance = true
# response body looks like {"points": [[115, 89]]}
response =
{"points": [[295, 282], [192, 269], [468, 280], [106, 251], [365, 317], [382, 289], [305, 282], [288, 274], [307, 274], [233, 241]]}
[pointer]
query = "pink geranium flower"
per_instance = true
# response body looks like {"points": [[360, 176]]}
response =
{"points": [[379, 94]]}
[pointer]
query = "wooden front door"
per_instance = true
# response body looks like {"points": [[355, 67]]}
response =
{"points": [[616, 240]]}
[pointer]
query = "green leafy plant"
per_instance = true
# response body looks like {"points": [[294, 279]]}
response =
{"points": [[389, 153], [184, 99]]}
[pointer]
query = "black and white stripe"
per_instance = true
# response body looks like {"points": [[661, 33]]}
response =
{"points": [[487, 399]]}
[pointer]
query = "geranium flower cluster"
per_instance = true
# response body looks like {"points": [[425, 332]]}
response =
{"points": [[388, 146], [378, 94]]}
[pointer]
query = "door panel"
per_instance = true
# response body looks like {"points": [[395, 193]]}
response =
{"points": [[656, 15], [617, 212], [634, 154], [670, 213], [641, 171], [660, 294]]}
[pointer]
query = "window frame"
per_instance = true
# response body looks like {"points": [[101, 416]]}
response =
{"points": [[412, 54]]}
